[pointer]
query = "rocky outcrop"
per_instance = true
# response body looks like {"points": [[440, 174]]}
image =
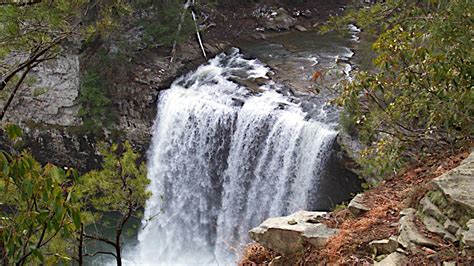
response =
{"points": [[409, 234], [347, 150], [49, 96], [458, 184], [357, 206], [428, 208], [287, 235], [468, 238], [444, 211], [47, 106]]}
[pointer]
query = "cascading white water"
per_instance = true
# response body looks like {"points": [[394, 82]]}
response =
{"points": [[222, 160]]}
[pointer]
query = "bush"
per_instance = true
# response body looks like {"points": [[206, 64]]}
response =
{"points": [[161, 21], [419, 100], [95, 105]]}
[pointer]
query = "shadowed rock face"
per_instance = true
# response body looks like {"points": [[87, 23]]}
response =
{"points": [[288, 234], [458, 184]]}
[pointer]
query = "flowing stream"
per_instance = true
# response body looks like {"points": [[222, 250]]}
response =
{"points": [[224, 158]]}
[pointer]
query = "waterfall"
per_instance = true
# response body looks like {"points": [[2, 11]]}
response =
{"points": [[223, 159]]}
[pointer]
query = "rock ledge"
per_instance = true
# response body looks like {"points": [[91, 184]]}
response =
{"points": [[288, 234]]}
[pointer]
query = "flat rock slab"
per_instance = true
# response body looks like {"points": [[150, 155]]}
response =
{"points": [[458, 183], [384, 246], [288, 234]]}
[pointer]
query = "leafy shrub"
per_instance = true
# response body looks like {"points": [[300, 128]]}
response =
{"points": [[38, 208], [419, 100], [95, 105], [161, 20]]}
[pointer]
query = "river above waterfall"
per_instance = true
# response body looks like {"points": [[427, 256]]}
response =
{"points": [[224, 157]]}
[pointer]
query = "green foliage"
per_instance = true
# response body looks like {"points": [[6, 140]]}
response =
{"points": [[419, 99], [37, 208], [95, 105], [120, 186], [24, 27], [348, 124], [340, 207], [161, 21], [45, 209]]}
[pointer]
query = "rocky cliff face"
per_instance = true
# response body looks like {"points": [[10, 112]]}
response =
{"points": [[47, 106], [50, 95]]}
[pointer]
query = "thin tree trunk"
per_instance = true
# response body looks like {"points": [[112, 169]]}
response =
{"points": [[81, 242], [178, 31], [197, 33]]}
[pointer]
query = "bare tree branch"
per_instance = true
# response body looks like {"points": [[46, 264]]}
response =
{"points": [[100, 252]]}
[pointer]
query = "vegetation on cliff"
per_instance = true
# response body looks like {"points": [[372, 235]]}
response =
{"points": [[419, 99]]}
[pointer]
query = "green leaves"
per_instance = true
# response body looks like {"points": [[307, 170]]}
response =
{"points": [[13, 131], [419, 101], [119, 186], [38, 206]]}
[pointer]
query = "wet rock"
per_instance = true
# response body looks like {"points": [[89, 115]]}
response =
{"points": [[211, 49], [288, 234], [384, 246], [409, 235], [249, 84], [301, 28], [356, 206], [428, 208], [347, 150], [259, 36], [394, 259], [278, 20], [225, 47], [458, 184], [238, 101]]}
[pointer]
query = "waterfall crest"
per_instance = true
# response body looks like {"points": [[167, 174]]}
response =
{"points": [[222, 160]]}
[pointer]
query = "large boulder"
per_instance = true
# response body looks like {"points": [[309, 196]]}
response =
{"points": [[288, 234], [458, 184]]}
